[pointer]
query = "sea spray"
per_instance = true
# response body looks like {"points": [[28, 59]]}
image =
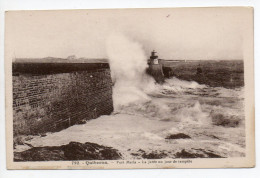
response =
{"points": [[128, 63], [135, 93], [134, 90]]}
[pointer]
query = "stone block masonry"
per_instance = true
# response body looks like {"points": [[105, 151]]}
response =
{"points": [[51, 102]]}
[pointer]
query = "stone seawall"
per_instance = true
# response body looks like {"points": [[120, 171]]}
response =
{"points": [[51, 102], [156, 71]]}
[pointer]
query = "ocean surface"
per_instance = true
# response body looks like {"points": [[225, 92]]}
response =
{"points": [[208, 120]]}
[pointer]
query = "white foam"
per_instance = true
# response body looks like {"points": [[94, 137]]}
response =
{"points": [[178, 84], [152, 136], [128, 63]]}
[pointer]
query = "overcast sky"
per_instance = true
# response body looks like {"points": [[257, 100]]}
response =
{"points": [[181, 33]]}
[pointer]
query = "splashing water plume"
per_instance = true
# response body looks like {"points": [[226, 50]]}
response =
{"points": [[128, 64]]}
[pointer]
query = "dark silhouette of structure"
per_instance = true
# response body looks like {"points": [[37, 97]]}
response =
{"points": [[155, 68], [153, 58]]}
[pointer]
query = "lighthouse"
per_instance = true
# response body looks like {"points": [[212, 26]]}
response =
{"points": [[153, 58], [155, 68]]}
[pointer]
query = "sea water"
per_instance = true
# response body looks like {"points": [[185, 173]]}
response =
{"points": [[213, 118]]}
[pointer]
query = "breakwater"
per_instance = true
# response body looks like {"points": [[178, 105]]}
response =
{"points": [[214, 73], [51, 97]]}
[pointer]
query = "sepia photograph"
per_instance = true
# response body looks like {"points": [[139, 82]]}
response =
{"points": [[130, 88]]}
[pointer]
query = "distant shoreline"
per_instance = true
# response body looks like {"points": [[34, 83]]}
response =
{"points": [[101, 60], [60, 60]]}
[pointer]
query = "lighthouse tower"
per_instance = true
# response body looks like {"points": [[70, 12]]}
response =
{"points": [[153, 58], [155, 68]]}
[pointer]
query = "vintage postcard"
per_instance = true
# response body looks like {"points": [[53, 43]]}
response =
{"points": [[130, 88]]}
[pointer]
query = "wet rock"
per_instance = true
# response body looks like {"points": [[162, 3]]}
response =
{"points": [[140, 150], [141, 154], [212, 155], [178, 136], [154, 155], [135, 154], [76, 151], [185, 154], [21, 140], [209, 153], [109, 154], [199, 154], [40, 154], [71, 151], [225, 121]]}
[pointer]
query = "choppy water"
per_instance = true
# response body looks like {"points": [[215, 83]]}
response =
{"points": [[212, 117]]}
